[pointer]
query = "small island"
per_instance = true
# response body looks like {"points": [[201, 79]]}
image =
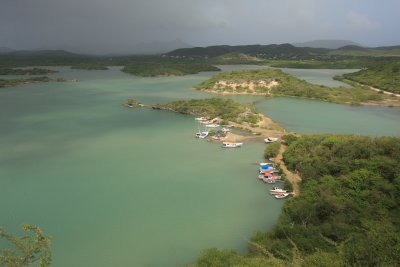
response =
{"points": [[274, 82], [15, 82], [25, 71], [167, 68]]}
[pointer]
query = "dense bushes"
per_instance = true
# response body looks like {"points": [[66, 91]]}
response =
{"points": [[348, 211], [272, 150], [226, 109], [384, 76]]}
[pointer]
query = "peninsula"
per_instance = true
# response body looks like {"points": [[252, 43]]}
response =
{"points": [[224, 112], [274, 82]]}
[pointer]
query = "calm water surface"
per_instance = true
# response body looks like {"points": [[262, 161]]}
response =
{"points": [[132, 187], [124, 187]]}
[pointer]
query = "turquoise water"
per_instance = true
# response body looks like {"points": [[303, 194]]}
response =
{"points": [[123, 187], [132, 187], [310, 116], [320, 76]]}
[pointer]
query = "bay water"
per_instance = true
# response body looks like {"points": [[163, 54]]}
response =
{"points": [[116, 186]]}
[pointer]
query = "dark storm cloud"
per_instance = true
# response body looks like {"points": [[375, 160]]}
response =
{"points": [[100, 26]]}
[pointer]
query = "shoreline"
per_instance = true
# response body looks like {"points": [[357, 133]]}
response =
{"points": [[383, 103]]}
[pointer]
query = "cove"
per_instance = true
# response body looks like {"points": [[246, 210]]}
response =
{"points": [[133, 187], [123, 187]]}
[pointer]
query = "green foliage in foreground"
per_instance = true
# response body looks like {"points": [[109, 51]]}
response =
{"points": [[272, 150], [347, 214], [33, 71], [226, 109], [15, 82], [34, 247], [165, 68], [383, 76], [291, 86]]}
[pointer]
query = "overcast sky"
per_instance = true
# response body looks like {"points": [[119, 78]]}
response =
{"points": [[117, 26]]}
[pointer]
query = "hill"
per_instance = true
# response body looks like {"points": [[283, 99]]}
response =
{"points": [[4, 50], [158, 47], [328, 44], [42, 53], [277, 51]]}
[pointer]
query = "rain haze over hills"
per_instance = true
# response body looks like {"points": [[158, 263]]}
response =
{"points": [[151, 26]]}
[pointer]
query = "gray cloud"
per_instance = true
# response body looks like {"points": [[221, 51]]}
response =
{"points": [[102, 26]]}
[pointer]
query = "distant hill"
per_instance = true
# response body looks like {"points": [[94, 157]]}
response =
{"points": [[262, 51], [395, 47], [4, 50], [43, 53], [157, 47], [329, 44], [352, 48]]}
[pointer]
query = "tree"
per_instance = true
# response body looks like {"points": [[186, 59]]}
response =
{"points": [[31, 248]]}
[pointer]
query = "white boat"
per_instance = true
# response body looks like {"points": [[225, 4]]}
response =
{"points": [[266, 163], [283, 195], [268, 180], [266, 168], [212, 125], [225, 129], [276, 190], [201, 119], [270, 139], [231, 144], [202, 134]]}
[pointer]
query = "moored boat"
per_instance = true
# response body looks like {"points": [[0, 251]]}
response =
{"points": [[268, 180], [266, 163], [202, 135], [231, 144], [277, 190], [201, 119], [283, 195], [270, 139], [212, 125], [264, 168]]}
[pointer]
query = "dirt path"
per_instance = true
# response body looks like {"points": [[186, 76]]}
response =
{"points": [[383, 91], [293, 178]]}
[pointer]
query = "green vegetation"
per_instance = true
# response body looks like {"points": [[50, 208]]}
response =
{"points": [[32, 248], [33, 71], [347, 214], [133, 103], [225, 109], [164, 68], [234, 58], [383, 76], [272, 150], [290, 86], [15, 82]]}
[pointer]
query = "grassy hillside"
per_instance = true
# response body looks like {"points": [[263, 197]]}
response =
{"points": [[289, 86]]}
